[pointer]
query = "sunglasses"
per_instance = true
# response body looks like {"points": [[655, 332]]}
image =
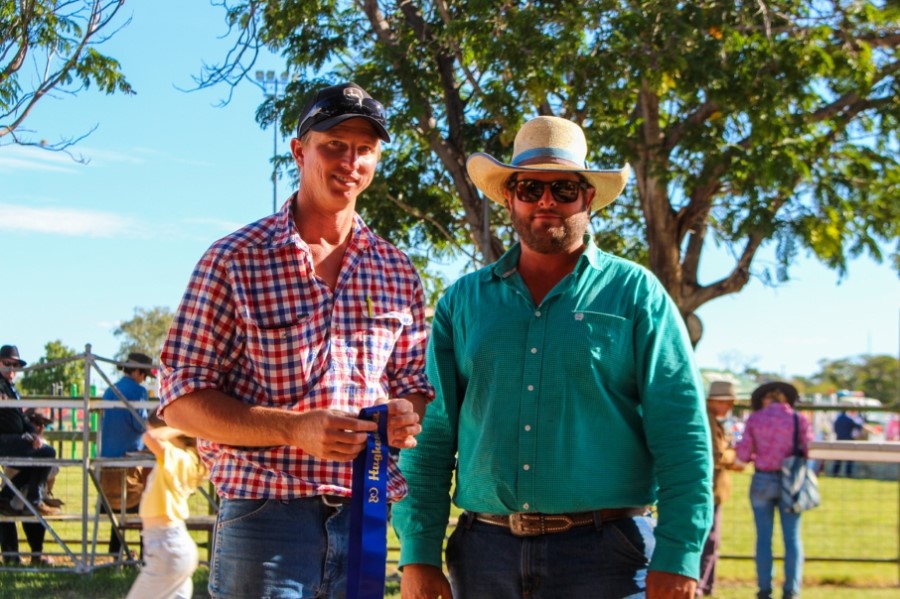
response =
{"points": [[339, 105], [9, 363], [563, 191]]}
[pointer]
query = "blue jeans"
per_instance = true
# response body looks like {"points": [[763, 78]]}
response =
{"points": [[293, 549], [765, 496], [608, 561]]}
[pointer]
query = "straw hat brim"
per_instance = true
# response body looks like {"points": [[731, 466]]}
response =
{"points": [[490, 176]]}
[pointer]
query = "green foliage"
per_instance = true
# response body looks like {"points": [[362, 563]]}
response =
{"points": [[48, 46], [746, 123], [877, 376], [145, 332], [40, 381]]}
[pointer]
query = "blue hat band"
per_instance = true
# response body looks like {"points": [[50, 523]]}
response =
{"points": [[547, 152]]}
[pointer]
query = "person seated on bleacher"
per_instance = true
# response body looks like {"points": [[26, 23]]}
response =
{"points": [[19, 438], [41, 422], [120, 435]]}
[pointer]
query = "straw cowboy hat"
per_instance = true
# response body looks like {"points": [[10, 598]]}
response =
{"points": [[546, 143], [721, 391]]}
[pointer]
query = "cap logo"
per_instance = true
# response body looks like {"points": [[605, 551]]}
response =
{"points": [[354, 94]]}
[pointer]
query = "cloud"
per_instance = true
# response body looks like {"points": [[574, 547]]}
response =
{"points": [[19, 158], [30, 158], [65, 221]]}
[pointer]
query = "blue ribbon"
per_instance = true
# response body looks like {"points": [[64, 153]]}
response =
{"points": [[367, 554]]}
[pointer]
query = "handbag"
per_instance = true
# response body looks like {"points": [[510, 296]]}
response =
{"points": [[799, 485]]}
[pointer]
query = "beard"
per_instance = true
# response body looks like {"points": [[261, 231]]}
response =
{"points": [[551, 239]]}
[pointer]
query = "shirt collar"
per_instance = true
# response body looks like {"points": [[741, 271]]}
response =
{"points": [[285, 231], [777, 406], [507, 264]]}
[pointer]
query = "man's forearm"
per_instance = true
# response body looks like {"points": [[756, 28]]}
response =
{"points": [[212, 415]]}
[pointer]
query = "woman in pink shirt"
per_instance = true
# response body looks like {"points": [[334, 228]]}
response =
{"points": [[769, 438]]}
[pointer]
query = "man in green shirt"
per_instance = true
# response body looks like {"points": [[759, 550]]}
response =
{"points": [[567, 403]]}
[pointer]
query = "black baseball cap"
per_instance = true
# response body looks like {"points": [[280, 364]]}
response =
{"points": [[336, 104], [136, 358]]}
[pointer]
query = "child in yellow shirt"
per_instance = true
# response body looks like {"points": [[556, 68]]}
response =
{"points": [[170, 554]]}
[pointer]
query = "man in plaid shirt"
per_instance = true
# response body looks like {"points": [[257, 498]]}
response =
{"points": [[288, 327]]}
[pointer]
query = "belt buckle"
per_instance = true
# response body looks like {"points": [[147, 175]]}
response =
{"points": [[334, 501], [519, 525]]}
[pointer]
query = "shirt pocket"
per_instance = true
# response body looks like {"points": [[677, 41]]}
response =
{"points": [[282, 357], [372, 342], [606, 338]]}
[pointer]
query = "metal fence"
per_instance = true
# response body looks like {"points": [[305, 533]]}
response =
{"points": [[859, 518], [78, 414], [858, 521]]}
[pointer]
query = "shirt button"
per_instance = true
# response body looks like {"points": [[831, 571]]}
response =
{"points": [[528, 428], [534, 350], [531, 387], [537, 313], [526, 467], [525, 506]]}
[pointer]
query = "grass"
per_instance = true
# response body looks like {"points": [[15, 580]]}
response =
{"points": [[858, 519]]}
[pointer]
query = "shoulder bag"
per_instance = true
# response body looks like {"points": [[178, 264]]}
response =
{"points": [[799, 485]]}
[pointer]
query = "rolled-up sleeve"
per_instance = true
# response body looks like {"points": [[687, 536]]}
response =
{"points": [[201, 340], [406, 368]]}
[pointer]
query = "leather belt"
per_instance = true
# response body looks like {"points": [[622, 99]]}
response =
{"points": [[530, 525]]}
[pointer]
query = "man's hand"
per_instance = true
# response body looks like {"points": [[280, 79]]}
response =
{"points": [[421, 581], [403, 423], [331, 434], [667, 585]]}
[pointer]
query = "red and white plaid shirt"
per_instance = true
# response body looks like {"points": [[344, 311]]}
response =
{"points": [[257, 324]]}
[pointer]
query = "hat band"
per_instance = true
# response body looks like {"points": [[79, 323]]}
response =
{"points": [[548, 152]]}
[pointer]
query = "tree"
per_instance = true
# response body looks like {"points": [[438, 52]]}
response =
{"points": [[747, 123], [48, 47], [877, 376], [145, 332], [41, 381]]}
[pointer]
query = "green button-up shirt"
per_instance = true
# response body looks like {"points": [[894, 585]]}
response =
{"points": [[589, 400]]}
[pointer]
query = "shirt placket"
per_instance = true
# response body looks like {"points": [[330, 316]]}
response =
{"points": [[529, 407], [341, 365]]}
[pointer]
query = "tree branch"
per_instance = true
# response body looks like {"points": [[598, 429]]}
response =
{"points": [[673, 136], [439, 226]]}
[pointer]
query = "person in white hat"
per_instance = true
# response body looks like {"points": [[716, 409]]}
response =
{"points": [[719, 402], [567, 404]]}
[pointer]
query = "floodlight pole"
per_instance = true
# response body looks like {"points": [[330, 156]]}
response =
{"points": [[273, 86]]}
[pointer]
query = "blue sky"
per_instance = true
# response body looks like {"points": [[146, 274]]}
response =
{"points": [[169, 172]]}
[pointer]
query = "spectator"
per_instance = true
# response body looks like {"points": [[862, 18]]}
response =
{"points": [[19, 438], [170, 554], [41, 422], [719, 402], [768, 439], [121, 434], [848, 426]]}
